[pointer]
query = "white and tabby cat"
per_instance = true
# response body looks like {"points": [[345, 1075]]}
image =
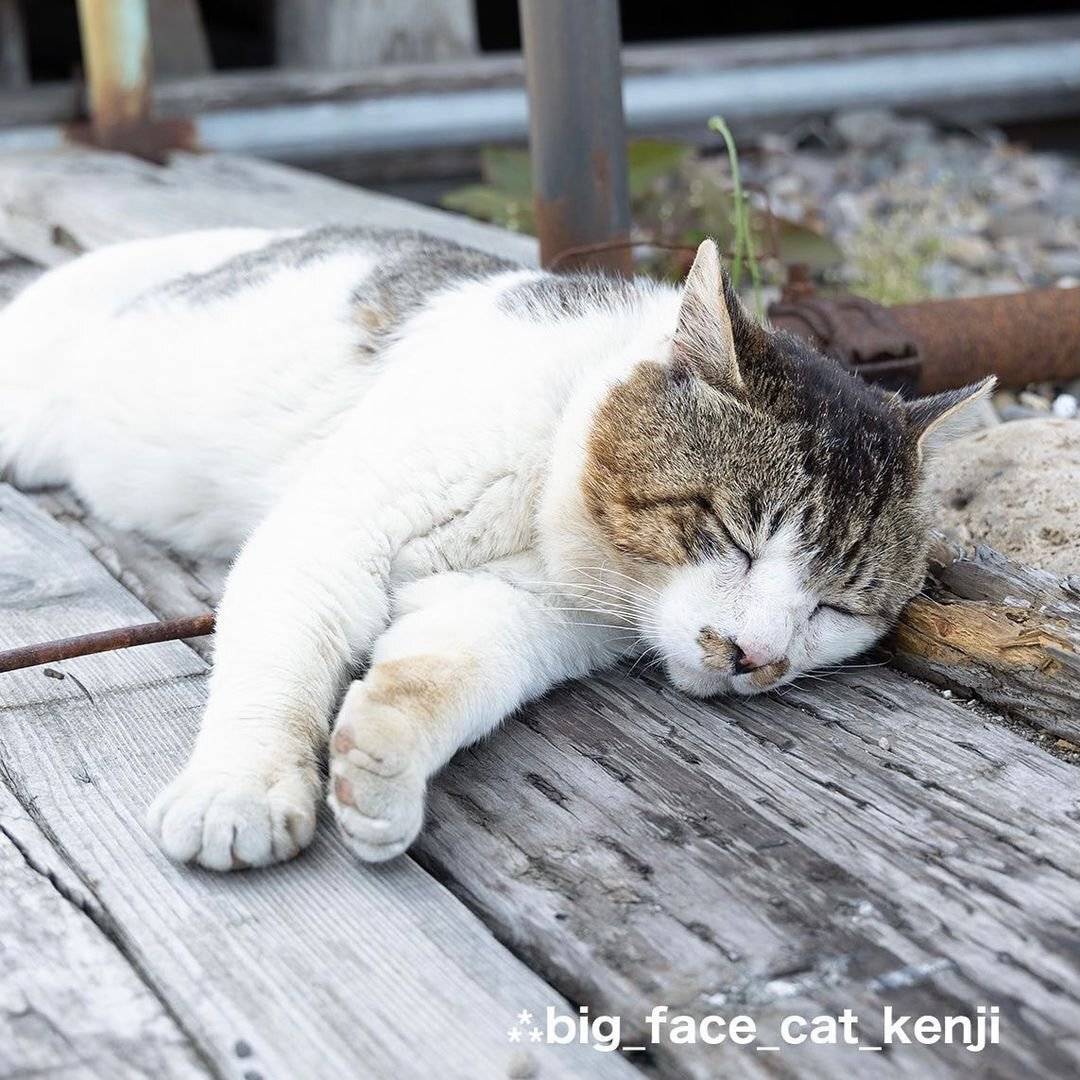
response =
{"points": [[478, 480]]}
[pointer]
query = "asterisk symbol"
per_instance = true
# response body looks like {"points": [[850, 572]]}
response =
{"points": [[514, 1035], [536, 1034], [524, 1017]]}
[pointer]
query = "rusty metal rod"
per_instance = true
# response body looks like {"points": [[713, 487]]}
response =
{"points": [[116, 53], [123, 637], [577, 132]]}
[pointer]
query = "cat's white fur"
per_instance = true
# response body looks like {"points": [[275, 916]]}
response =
{"points": [[418, 506]]}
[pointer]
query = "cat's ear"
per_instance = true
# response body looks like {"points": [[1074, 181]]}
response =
{"points": [[938, 419], [704, 344]]}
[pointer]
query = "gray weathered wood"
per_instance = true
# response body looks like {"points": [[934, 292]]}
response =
{"points": [[320, 968], [768, 856], [56, 103], [15, 274], [1005, 632], [335, 34], [178, 38], [773, 856], [55, 205], [70, 1004], [170, 586]]}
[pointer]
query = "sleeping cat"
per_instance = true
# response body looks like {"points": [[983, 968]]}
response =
{"points": [[478, 479]]}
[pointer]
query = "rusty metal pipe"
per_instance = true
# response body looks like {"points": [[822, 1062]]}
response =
{"points": [[116, 53], [1019, 337], [940, 344], [577, 133]]}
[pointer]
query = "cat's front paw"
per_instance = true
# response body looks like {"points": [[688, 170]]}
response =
{"points": [[232, 821], [377, 779]]}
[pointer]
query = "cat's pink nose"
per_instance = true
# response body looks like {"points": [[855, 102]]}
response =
{"points": [[749, 658]]}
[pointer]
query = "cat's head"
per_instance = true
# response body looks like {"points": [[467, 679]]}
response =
{"points": [[769, 503]]}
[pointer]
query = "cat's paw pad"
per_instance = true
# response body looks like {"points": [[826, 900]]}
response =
{"points": [[230, 822], [377, 784]]}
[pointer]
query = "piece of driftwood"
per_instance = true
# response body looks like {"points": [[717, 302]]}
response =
{"points": [[1006, 633], [320, 968]]}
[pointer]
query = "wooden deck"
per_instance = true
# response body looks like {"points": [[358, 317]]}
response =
{"points": [[854, 842]]}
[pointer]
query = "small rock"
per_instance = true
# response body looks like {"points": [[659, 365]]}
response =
{"points": [[1066, 406], [884, 743], [1014, 487], [972, 252], [1030, 400], [1020, 412]]}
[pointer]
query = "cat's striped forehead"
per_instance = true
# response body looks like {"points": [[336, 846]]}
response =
{"points": [[825, 483]]}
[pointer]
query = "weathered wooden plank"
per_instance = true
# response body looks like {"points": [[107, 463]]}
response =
{"points": [[57, 103], [641, 848], [170, 586], [774, 855], [336, 34], [55, 205], [15, 274], [70, 1003], [1005, 632], [320, 968]]}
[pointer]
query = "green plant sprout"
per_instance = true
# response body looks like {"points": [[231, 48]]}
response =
{"points": [[740, 218]]}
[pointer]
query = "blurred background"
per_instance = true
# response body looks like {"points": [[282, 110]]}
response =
{"points": [[911, 151]]}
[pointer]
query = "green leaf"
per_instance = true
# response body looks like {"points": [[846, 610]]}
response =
{"points": [[650, 160], [508, 170], [489, 204], [800, 244]]}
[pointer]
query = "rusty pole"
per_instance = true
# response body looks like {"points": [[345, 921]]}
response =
{"points": [[116, 54], [577, 134]]}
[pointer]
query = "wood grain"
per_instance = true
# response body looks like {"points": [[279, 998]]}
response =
{"points": [[319, 968], [1006, 633], [70, 1003], [59, 204]]}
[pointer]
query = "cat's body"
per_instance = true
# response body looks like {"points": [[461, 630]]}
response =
{"points": [[482, 479]]}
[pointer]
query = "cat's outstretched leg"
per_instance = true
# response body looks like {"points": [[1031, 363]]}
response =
{"points": [[307, 594], [465, 650]]}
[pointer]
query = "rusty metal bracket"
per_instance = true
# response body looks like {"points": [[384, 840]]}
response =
{"points": [[862, 335]]}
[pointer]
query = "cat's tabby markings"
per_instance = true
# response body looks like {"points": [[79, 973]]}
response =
{"points": [[477, 479]]}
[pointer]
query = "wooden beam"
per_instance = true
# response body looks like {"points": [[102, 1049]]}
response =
{"points": [[70, 996], [55, 103], [342, 34], [1003, 632], [840, 844], [302, 971]]}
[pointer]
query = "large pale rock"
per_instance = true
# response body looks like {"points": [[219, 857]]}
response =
{"points": [[1015, 487]]}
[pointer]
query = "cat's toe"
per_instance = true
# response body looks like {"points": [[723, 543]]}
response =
{"points": [[377, 789], [229, 822]]}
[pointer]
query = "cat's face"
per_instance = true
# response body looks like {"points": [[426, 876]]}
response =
{"points": [[769, 504]]}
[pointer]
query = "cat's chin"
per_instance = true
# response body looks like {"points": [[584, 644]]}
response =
{"points": [[697, 682]]}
